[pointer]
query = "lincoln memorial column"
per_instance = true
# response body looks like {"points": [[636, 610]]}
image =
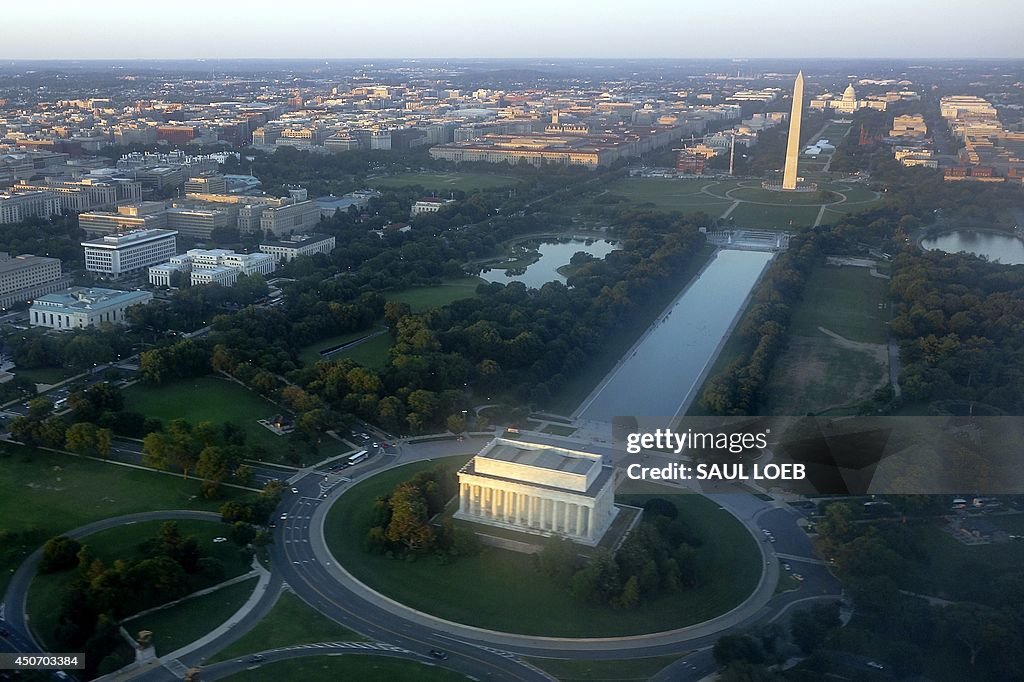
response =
{"points": [[528, 501], [590, 522], [464, 502], [476, 494], [581, 521]]}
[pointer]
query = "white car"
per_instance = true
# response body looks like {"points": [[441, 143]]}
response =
{"points": [[217, 541], [284, 517], [295, 491]]}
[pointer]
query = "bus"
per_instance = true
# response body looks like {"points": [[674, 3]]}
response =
{"points": [[358, 457]]}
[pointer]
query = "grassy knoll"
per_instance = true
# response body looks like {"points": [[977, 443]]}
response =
{"points": [[187, 621], [461, 181], [671, 195], [504, 590], [350, 667], [844, 300], [762, 215], [290, 622], [425, 298], [311, 353], [211, 399], [47, 591], [373, 353], [46, 494], [620, 339], [626, 670]]}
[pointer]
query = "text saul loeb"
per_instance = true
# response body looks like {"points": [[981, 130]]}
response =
{"points": [[717, 472]]}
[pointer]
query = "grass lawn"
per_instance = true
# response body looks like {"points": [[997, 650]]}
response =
{"points": [[46, 494], [425, 298], [47, 590], [185, 622], [618, 341], [360, 667], [445, 181], [373, 353], [626, 670], [814, 375], [762, 215], [844, 300], [559, 430], [671, 195], [212, 399], [290, 622], [758, 195], [311, 353], [504, 590], [47, 375]]}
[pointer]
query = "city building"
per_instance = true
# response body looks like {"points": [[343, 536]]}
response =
{"points": [[16, 208], [207, 183], [144, 215], [196, 222], [429, 205], [295, 218], [292, 247], [359, 198], [538, 489], [87, 194], [909, 125], [848, 102], [116, 255], [693, 160], [206, 266], [25, 277], [80, 307]]}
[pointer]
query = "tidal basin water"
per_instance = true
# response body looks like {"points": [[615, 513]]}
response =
{"points": [[1006, 249], [553, 255]]}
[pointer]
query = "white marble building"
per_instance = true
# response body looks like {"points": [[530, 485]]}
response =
{"points": [[538, 489]]}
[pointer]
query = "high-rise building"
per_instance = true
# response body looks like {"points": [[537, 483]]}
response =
{"points": [[116, 255], [789, 177]]}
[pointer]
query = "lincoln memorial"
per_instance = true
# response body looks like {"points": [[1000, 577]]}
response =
{"points": [[538, 489]]}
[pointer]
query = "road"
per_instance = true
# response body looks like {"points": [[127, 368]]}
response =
{"points": [[300, 561]]}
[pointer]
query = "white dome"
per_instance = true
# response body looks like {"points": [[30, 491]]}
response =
{"points": [[849, 93]]}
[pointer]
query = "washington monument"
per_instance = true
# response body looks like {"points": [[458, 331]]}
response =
{"points": [[793, 143]]}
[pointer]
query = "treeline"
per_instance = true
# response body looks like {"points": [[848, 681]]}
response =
{"points": [[658, 557], [981, 626], [166, 567], [736, 390], [401, 525], [959, 320], [57, 238]]}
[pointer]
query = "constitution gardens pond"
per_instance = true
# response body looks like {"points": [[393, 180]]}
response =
{"points": [[1005, 248], [553, 255]]}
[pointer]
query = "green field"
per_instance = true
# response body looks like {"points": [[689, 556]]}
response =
{"points": [[782, 217], [421, 299], [46, 494], [311, 353], [372, 354], [504, 590], [463, 182], [758, 195], [290, 622], [187, 621], [626, 670], [211, 399], [361, 667], [46, 375], [844, 300], [47, 590], [670, 195]]}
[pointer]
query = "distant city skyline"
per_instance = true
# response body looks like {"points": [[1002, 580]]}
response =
{"points": [[188, 29]]}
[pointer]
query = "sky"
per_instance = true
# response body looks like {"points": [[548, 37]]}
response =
{"points": [[213, 29]]}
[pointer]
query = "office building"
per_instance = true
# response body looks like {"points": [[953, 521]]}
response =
{"points": [[80, 307], [25, 277], [196, 222], [16, 208], [145, 215], [429, 205], [290, 248], [909, 126], [88, 194], [206, 266], [207, 183], [296, 218], [117, 255]]}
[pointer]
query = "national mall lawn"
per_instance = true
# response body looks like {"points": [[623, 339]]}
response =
{"points": [[503, 590]]}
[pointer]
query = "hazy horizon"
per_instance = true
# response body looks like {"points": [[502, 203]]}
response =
{"points": [[531, 29]]}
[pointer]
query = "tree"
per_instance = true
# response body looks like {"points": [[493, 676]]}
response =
{"points": [[408, 526], [732, 648], [59, 554], [104, 442], [810, 627], [456, 423], [80, 438]]}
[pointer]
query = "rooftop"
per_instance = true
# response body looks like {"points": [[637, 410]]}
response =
{"points": [[89, 298], [113, 241], [544, 458]]}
